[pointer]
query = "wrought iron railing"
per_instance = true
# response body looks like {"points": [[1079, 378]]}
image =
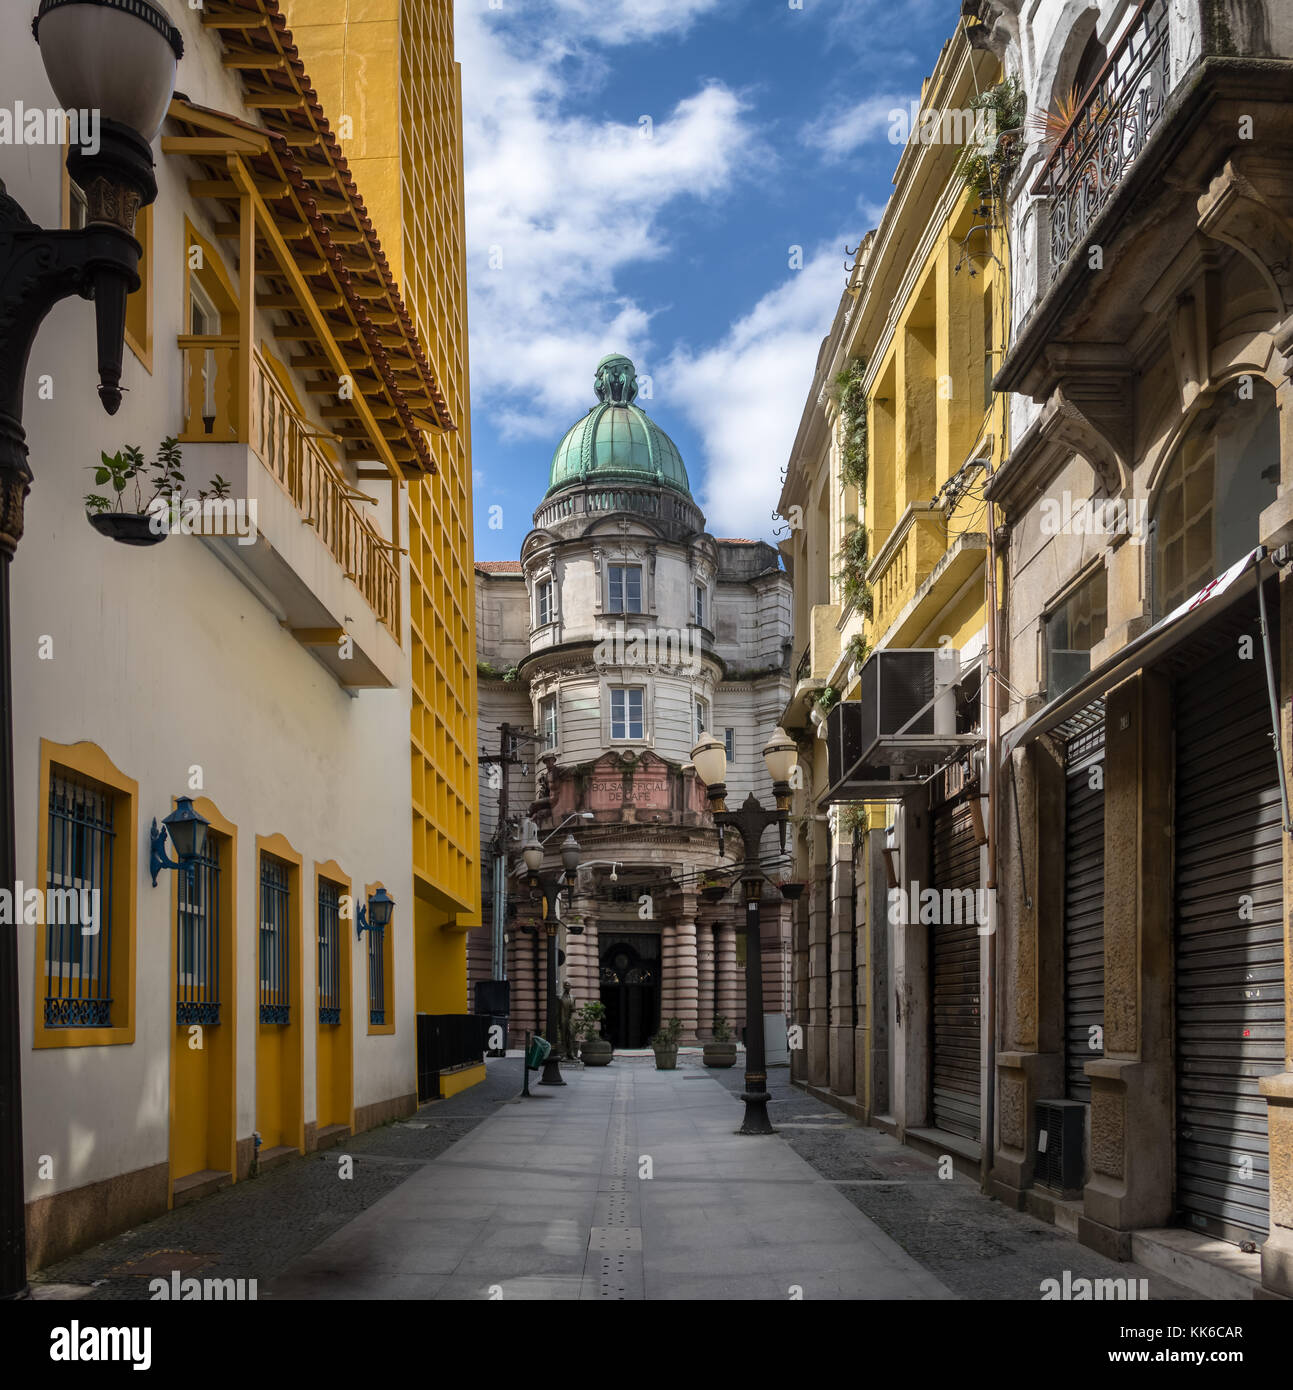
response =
{"points": [[78, 956], [197, 941], [805, 664], [275, 973], [282, 441], [377, 975], [329, 952], [1108, 131]]}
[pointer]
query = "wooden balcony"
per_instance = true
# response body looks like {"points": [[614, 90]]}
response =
{"points": [[275, 458]]}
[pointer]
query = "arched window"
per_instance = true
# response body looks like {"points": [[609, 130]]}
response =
{"points": [[1094, 56], [1224, 473]]}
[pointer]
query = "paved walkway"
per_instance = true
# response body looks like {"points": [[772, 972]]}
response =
{"points": [[628, 1183]]}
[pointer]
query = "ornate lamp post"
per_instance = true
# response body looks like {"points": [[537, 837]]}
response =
{"points": [[114, 58], [551, 887], [710, 759]]}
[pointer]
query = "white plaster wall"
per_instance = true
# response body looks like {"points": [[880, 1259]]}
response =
{"points": [[166, 661]]}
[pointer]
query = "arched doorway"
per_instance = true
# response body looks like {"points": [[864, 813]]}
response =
{"points": [[630, 987]]}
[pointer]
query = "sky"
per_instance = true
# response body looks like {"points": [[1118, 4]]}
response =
{"points": [[677, 180]]}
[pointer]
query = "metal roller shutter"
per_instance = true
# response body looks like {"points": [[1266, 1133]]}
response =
{"points": [[1229, 953], [1083, 909], [954, 966]]}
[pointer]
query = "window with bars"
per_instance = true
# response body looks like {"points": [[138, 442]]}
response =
{"points": [[627, 712], [197, 940], [275, 979], [78, 883], [548, 722], [377, 975], [625, 589], [329, 952]]}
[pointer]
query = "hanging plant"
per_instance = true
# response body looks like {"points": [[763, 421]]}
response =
{"points": [[853, 425], [827, 699], [986, 168], [161, 481], [857, 650], [853, 818], [853, 561]]}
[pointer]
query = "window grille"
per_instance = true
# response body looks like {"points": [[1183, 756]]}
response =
{"points": [[79, 871], [329, 952], [197, 940], [275, 980], [377, 975]]}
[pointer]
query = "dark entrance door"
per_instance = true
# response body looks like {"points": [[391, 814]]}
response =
{"points": [[631, 988], [954, 965]]}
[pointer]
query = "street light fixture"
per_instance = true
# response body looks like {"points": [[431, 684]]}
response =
{"points": [[188, 832], [551, 886], [116, 57], [750, 821]]}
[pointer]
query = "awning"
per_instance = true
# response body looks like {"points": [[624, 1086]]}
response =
{"points": [[1155, 642]]}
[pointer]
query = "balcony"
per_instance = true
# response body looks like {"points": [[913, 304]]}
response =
{"points": [[906, 560], [1108, 131], [819, 658], [315, 559]]}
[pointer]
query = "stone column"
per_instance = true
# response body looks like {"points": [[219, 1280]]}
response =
{"points": [[687, 990], [1131, 1085], [799, 983], [1030, 961], [731, 982], [704, 980], [841, 1042], [520, 971], [816, 1039], [669, 997]]}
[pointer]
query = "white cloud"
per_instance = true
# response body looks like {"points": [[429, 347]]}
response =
{"points": [[842, 130], [745, 394], [560, 205]]}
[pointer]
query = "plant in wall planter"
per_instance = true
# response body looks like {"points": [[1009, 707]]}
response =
{"points": [[157, 487], [721, 1052], [791, 889], [713, 890], [594, 1050], [665, 1046]]}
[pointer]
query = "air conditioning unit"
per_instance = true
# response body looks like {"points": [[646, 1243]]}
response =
{"points": [[908, 703], [1061, 1138]]}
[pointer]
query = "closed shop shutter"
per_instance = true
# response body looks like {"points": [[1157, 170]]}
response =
{"points": [[1083, 910], [954, 967], [1229, 952]]}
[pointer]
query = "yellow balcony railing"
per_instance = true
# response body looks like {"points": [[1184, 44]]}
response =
{"points": [[904, 563], [284, 443], [210, 389]]}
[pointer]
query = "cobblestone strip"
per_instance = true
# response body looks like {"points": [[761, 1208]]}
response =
{"points": [[613, 1266]]}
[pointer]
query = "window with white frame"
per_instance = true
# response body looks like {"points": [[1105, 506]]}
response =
{"points": [[729, 743], [627, 707], [702, 716], [625, 585], [548, 721], [700, 605], [545, 610]]}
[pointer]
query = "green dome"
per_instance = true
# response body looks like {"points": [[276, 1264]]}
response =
{"points": [[617, 441]]}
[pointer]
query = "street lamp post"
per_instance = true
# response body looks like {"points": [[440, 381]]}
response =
{"points": [[115, 58], [749, 822], [550, 887]]}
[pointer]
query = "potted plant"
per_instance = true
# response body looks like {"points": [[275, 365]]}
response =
{"points": [[713, 890], [665, 1046], [791, 889], [594, 1050], [721, 1052], [108, 515]]}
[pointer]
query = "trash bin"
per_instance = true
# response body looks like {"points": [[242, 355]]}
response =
{"points": [[538, 1053]]}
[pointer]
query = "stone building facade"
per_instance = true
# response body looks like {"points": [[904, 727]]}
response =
{"points": [[1146, 509], [624, 631]]}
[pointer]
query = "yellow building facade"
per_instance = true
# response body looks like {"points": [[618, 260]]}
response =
{"points": [[387, 67], [888, 547]]}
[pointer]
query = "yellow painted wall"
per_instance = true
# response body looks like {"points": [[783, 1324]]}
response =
{"points": [[334, 1061], [389, 66]]}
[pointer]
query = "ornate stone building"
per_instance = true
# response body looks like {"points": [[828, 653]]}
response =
{"points": [[623, 632]]}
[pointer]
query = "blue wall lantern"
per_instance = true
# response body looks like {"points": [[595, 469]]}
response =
{"points": [[377, 915], [188, 832]]}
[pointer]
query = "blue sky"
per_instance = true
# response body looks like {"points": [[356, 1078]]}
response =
{"points": [[593, 230]]}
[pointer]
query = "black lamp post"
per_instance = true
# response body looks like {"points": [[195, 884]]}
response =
{"points": [[710, 759], [551, 886], [115, 58]]}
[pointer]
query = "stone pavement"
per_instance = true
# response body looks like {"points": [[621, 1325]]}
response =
{"points": [[628, 1183]]}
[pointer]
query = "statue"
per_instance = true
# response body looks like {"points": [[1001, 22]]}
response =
{"points": [[567, 1021]]}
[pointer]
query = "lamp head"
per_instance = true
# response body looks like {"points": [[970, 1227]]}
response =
{"points": [[187, 829], [381, 909], [570, 854]]}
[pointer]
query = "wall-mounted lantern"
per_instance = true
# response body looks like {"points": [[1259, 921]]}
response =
{"points": [[188, 832], [377, 914]]}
